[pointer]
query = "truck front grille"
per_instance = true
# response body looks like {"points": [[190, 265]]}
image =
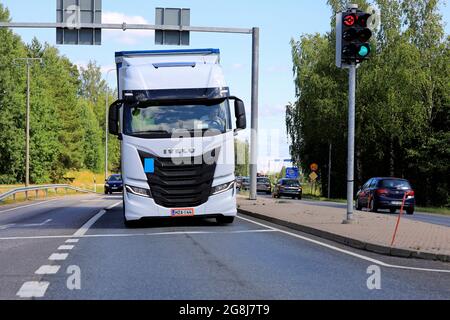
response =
{"points": [[183, 185]]}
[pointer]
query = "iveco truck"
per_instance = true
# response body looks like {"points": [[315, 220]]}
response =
{"points": [[176, 121]]}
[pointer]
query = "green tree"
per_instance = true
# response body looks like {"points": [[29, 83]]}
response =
{"points": [[242, 160]]}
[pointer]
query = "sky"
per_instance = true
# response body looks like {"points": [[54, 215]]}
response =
{"points": [[279, 23]]}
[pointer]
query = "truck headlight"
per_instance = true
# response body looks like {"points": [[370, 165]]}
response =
{"points": [[222, 188], [139, 191]]}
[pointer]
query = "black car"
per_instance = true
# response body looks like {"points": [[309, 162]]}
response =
{"points": [[114, 184], [386, 193], [288, 188]]}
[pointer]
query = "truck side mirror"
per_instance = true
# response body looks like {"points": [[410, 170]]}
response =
{"points": [[239, 110], [113, 118]]}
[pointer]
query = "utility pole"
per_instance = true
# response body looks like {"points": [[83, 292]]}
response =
{"points": [[106, 124], [329, 170], [28, 62], [254, 120]]}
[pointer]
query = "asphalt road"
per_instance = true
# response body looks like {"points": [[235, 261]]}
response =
{"points": [[418, 216], [76, 245]]}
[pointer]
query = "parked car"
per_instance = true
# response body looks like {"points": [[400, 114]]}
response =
{"points": [[114, 184], [238, 183], [263, 185], [245, 184], [386, 193], [288, 188]]}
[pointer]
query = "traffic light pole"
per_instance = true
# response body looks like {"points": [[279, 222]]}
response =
{"points": [[351, 142]]}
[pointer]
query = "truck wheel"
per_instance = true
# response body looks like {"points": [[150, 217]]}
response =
{"points": [[410, 211], [225, 220]]}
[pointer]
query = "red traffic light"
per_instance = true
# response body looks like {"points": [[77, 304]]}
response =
{"points": [[350, 20]]}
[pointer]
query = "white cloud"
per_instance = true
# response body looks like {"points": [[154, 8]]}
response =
{"points": [[128, 37]]}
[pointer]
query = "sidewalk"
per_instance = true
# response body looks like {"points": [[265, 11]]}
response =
{"points": [[372, 232]]}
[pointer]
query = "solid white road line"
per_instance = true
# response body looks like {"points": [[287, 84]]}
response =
{"points": [[43, 270], [374, 261], [82, 231], [30, 205], [114, 205], [72, 240], [33, 289], [58, 256], [65, 247], [130, 235]]}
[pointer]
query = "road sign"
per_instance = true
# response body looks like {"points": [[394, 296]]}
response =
{"points": [[292, 173], [314, 167], [73, 13], [172, 17], [313, 176]]}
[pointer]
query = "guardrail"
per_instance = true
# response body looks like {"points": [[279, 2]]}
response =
{"points": [[12, 193]]}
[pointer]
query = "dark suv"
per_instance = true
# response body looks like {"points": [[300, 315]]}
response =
{"points": [[288, 188], [386, 193], [114, 184]]}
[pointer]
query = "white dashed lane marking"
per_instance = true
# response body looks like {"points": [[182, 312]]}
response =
{"points": [[58, 256], [72, 241], [33, 289], [65, 247], [43, 270]]}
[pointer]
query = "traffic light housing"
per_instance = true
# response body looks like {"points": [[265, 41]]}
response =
{"points": [[352, 37]]}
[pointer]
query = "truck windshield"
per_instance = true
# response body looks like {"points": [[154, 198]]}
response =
{"points": [[157, 120]]}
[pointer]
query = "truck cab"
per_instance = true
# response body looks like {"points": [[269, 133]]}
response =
{"points": [[176, 121]]}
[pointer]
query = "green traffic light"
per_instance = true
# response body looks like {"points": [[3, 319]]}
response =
{"points": [[363, 51]]}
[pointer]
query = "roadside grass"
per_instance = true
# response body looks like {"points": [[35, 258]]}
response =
{"points": [[442, 211]]}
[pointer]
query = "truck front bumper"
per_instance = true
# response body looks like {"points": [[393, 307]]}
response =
{"points": [[137, 207]]}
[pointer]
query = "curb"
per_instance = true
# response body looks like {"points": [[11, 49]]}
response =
{"points": [[371, 247]]}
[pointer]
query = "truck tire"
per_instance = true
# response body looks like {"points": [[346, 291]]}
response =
{"points": [[225, 220], [410, 211]]}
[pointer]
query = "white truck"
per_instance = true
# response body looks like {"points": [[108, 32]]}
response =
{"points": [[177, 127]]}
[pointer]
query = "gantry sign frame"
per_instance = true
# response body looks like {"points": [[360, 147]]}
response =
{"points": [[255, 67]]}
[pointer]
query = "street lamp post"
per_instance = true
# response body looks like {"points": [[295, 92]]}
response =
{"points": [[106, 123], [28, 62]]}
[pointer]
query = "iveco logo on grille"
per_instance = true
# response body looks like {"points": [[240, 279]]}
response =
{"points": [[179, 151]]}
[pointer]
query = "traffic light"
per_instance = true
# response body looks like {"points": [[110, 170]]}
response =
{"points": [[352, 37]]}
